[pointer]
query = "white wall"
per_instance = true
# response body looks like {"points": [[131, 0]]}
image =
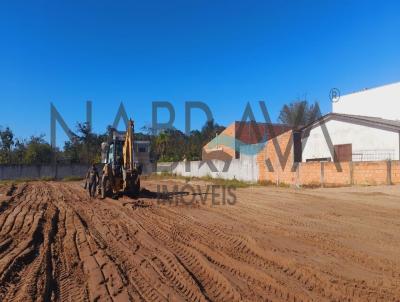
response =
{"points": [[365, 141], [244, 169], [383, 102], [42, 171]]}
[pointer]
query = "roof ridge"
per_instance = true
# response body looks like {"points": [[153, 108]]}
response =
{"points": [[371, 88], [371, 119]]}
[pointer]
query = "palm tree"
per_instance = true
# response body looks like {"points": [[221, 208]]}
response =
{"points": [[299, 113]]}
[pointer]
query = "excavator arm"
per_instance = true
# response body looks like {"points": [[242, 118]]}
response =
{"points": [[128, 154]]}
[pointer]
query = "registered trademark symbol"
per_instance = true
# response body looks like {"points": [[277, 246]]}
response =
{"points": [[334, 95]]}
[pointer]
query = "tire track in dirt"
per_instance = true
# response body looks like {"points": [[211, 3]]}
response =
{"points": [[330, 246], [91, 243], [307, 279], [321, 286], [34, 262], [11, 208], [56, 244], [224, 261], [146, 289], [188, 290]]}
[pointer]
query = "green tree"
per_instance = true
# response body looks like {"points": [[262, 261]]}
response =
{"points": [[209, 131], [194, 145], [18, 153], [174, 145], [71, 152], [37, 151], [161, 144], [6, 144], [85, 147], [299, 113]]}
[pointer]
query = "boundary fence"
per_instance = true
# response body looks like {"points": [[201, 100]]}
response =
{"points": [[313, 174]]}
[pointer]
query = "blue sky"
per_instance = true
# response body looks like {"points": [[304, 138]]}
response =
{"points": [[224, 53]]}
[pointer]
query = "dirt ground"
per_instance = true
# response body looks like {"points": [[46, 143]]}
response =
{"points": [[257, 244]]}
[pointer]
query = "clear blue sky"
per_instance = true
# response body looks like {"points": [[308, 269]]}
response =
{"points": [[220, 52]]}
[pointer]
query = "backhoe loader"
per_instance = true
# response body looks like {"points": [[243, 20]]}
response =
{"points": [[121, 172]]}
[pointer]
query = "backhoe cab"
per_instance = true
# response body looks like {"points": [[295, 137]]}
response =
{"points": [[121, 171]]}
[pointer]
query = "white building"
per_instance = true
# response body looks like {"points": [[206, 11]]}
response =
{"points": [[383, 102], [351, 138]]}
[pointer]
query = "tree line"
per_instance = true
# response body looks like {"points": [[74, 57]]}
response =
{"points": [[167, 145], [85, 145]]}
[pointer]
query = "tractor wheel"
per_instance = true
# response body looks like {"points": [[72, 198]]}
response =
{"points": [[105, 187], [137, 187], [135, 190]]}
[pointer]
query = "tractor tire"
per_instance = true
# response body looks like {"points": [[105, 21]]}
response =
{"points": [[105, 187], [137, 188]]}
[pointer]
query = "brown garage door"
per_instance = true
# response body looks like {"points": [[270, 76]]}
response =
{"points": [[343, 152]]}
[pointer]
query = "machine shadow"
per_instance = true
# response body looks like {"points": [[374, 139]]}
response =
{"points": [[144, 193]]}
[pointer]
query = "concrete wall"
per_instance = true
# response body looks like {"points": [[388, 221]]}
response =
{"points": [[51, 171], [395, 169], [321, 173], [276, 171], [380, 102], [368, 143], [327, 174], [41, 171], [244, 169], [311, 174]]}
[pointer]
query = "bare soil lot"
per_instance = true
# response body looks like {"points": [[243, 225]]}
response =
{"points": [[273, 244]]}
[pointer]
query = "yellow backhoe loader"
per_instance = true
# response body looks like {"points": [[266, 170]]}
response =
{"points": [[121, 172]]}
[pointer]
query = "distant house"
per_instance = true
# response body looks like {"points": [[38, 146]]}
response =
{"points": [[352, 138], [142, 154], [364, 126], [238, 135], [333, 137]]}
